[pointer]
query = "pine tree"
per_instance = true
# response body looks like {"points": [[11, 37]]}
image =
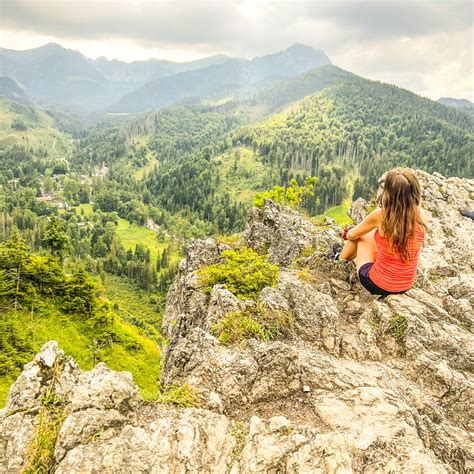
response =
{"points": [[56, 238]]}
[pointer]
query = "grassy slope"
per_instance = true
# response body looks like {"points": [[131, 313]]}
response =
{"points": [[133, 351], [339, 213], [134, 306], [142, 140], [144, 170], [40, 133], [131, 234], [87, 208], [249, 177]]}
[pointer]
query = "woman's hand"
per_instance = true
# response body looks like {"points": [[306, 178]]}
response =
{"points": [[346, 231], [348, 236]]}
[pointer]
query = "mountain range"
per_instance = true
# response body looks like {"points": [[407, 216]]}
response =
{"points": [[462, 104], [53, 75], [11, 89], [232, 77]]}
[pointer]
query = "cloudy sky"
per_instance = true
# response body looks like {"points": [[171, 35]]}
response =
{"points": [[425, 46]]}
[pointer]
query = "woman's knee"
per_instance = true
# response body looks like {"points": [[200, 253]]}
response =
{"points": [[366, 249]]}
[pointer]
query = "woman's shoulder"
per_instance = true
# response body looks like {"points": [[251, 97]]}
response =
{"points": [[377, 212], [422, 216], [376, 215]]}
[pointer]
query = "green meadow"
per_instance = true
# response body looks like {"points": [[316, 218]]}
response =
{"points": [[339, 213], [39, 130], [131, 350], [131, 234], [242, 174]]}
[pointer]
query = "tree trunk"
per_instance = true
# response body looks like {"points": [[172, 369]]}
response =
{"points": [[17, 286]]}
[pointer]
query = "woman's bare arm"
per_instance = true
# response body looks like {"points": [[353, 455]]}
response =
{"points": [[369, 223]]}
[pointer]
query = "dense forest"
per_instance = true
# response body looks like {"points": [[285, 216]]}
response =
{"points": [[98, 215], [352, 132]]}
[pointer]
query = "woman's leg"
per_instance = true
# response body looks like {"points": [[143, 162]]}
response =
{"points": [[366, 249], [349, 252]]}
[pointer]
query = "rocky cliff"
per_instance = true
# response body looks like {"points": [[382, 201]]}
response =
{"points": [[359, 383]]}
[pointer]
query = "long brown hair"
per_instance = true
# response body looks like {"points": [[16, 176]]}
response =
{"points": [[400, 200]]}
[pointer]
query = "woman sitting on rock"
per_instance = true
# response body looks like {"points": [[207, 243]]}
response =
{"points": [[387, 243]]}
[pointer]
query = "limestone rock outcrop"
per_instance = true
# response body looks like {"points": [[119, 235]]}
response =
{"points": [[359, 384]]}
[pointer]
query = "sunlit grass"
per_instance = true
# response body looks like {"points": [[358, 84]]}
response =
{"points": [[130, 235], [184, 396], [248, 177], [86, 208], [40, 133], [144, 170], [339, 213], [131, 350], [144, 363]]}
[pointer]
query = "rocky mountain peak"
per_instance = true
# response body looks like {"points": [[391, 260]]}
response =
{"points": [[353, 383]]}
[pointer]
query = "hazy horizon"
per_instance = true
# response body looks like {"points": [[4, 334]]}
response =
{"points": [[423, 46]]}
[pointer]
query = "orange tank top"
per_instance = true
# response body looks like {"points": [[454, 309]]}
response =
{"points": [[389, 271]]}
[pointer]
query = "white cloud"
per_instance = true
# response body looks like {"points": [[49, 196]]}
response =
{"points": [[433, 66], [423, 45]]}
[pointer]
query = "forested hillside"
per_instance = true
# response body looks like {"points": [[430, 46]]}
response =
{"points": [[357, 129], [66, 271], [38, 301], [346, 132]]}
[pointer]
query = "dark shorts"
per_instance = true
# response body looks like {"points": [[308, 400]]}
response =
{"points": [[369, 285]]}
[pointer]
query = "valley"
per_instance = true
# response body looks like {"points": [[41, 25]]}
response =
{"points": [[114, 200]]}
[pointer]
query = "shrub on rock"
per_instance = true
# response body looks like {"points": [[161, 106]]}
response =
{"points": [[244, 273], [259, 322]]}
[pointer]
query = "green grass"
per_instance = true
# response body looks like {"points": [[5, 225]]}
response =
{"points": [[248, 177], [182, 395], [131, 234], [5, 384], [143, 363], [339, 213], [40, 132], [143, 140], [144, 170], [41, 455], [134, 306], [397, 328], [131, 350], [50, 419], [87, 208], [258, 322]]}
